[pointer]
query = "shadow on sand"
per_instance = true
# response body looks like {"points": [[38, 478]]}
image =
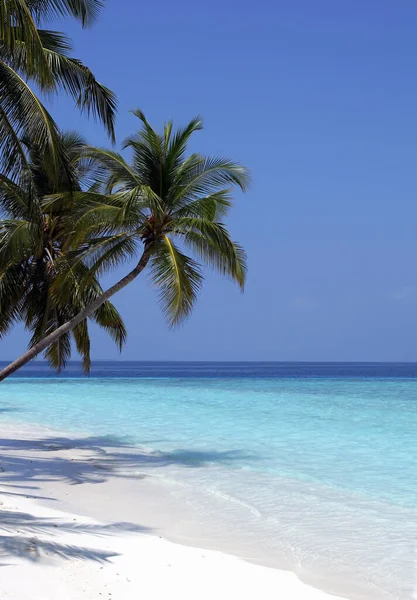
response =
{"points": [[21, 530], [26, 463], [106, 456]]}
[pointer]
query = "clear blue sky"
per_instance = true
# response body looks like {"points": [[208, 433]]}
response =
{"points": [[319, 99]]}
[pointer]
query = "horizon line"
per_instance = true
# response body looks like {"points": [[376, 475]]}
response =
{"points": [[112, 360]]}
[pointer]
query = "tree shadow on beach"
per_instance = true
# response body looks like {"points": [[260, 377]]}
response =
{"points": [[19, 537], [27, 464], [50, 459], [34, 549]]}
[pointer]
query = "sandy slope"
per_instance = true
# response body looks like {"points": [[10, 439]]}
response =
{"points": [[48, 553]]}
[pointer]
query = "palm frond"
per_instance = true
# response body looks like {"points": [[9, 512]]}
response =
{"points": [[13, 200], [27, 115], [36, 308], [177, 145], [178, 279], [16, 241], [84, 168], [148, 135], [17, 56], [211, 243], [202, 176], [86, 11], [82, 293], [106, 253], [71, 75], [13, 160], [115, 171], [56, 41], [149, 156], [94, 98], [95, 215], [16, 26], [59, 353], [212, 207], [82, 343], [109, 319], [13, 287], [77, 269]]}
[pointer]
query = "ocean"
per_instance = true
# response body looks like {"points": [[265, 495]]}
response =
{"points": [[313, 465]]}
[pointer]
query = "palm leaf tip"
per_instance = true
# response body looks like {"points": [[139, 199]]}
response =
{"points": [[82, 342], [85, 11], [210, 243], [100, 102], [178, 279], [59, 352], [109, 319], [241, 265]]}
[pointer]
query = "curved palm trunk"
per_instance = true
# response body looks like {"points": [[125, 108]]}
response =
{"points": [[69, 325]]}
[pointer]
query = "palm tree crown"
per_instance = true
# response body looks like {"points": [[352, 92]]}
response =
{"points": [[33, 238], [171, 204]]}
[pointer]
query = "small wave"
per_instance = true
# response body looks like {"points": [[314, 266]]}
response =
{"points": [[235, 500]]}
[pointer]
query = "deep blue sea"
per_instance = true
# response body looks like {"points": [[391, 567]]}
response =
{"points": [[316, 463]]}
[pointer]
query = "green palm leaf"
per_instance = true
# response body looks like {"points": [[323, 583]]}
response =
{"points": [[70, 74], [109, 319], [17, 26], [177, 278], [13, 286], [27, 115], [105, 254], [230, 261], [114, 171], [59, 353], [211, 243], [86, 11], [16, 241], [82, 342], [176, 146], [13, 199], [13, 160], [201, 175], [210, 207]]}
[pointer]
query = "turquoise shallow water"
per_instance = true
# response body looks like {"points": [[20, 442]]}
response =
{"points": [[317, 473]]}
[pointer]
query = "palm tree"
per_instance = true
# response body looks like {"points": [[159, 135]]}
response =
{"points": [[160, 206], [29, 53], [33, 237]]}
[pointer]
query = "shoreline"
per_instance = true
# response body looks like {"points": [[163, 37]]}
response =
{"points": [[89, 560], [47, 484]]}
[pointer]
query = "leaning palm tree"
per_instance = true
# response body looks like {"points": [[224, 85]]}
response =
{"points": [[164, 207], [31, 54], [32, 255]]}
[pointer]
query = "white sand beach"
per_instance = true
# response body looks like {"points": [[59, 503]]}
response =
{"points": [[62, 535]]}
